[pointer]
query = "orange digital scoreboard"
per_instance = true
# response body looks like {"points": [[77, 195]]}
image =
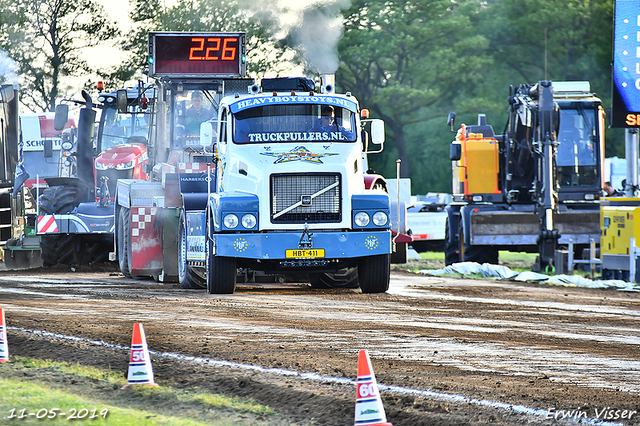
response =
{"points": [[196, 54]]}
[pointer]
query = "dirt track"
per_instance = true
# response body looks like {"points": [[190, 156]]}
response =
{"points": [[453, 351]]}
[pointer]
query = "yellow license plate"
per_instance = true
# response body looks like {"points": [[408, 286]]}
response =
{"points": [[304, 253]]}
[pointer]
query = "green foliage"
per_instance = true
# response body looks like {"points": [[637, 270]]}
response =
{"points": [[45, 38], [409, 62], [413, 62]]}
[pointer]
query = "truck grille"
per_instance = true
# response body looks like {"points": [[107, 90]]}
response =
{"points": [[305, 197]]}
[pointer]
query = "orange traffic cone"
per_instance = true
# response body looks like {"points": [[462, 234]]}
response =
{"points": [[4, 347], [369, 409], [140, 371]]}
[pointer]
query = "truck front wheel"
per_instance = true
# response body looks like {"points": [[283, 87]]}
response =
{"points": [[221, 275], [374, 273], [221, 271]]}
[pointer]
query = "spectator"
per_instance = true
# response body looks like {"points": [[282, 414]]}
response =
{"points": [[610, 191]]}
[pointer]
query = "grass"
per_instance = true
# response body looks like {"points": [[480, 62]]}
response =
{"points": [[39, 392]]}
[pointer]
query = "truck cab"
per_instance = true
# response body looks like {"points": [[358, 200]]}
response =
{"points": [[290, 191]]}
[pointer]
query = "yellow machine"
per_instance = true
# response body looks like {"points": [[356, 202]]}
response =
{"points": [[620, 224], [535, 187]]}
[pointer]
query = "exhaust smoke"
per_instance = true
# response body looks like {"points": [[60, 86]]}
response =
{"points": [[312, 27]]}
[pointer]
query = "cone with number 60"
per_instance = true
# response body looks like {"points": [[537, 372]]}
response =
{"points": [[140, 371], [369, 409], [4, 347]]}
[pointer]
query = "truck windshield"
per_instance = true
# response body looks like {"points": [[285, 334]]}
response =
{"points": [[119, 129], [577, 158], [294, 124]]}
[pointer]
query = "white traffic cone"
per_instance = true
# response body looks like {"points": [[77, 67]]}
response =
{"points": [[369, 409], [140, 371]]}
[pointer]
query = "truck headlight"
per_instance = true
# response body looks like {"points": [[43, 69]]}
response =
{"points": [[361, 219], [380, 218], [230, 221], [249, 221]]}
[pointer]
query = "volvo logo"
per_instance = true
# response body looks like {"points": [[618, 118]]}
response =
{"points": [[305, 200]]}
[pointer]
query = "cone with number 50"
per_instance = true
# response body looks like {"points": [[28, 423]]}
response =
{"points": [[369, 409], [140, 371], [4, 347]]}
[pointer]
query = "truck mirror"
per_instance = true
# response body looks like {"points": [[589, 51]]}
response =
{"points": [[377, 131], [48, 147], [455, 152], [206, 133], [121, 99], [451, 120], [61, 117]]}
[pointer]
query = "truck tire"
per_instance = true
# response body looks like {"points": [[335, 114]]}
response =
{"points": [[344, 278], [221, 275], [187, 277], [123, 241], [374, 273], [452, 246], [60, 248], [221, 271]]}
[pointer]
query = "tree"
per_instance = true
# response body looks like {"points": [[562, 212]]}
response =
{"points": [[46, 39], [409, 62], [557, 40], [263, 53]]}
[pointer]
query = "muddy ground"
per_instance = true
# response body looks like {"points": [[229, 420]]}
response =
{"points": [[445, 351]]}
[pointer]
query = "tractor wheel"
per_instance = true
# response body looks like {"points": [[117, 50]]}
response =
{"points": [[123, 242], [60, 248], [374, 273], [95, 249], [59, 199], [187, 276]]}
